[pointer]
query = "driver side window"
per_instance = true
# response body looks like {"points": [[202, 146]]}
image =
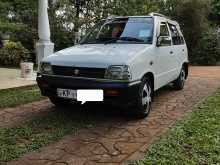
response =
{"points": [[164, 30], [164, 39]]}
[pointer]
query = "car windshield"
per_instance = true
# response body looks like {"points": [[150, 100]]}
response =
{"points": [[122, 30]]}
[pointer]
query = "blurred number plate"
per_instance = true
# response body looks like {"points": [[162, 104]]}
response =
{"points": [[67, 93]]}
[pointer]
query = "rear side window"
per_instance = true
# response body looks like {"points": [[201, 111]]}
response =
{"points": [[176, 37]]}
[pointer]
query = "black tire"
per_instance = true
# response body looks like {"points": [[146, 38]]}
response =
{"points": [[59, 102], [142, 107], [179, 83]]}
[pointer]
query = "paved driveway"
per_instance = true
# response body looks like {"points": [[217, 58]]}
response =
{"points": [[117, 139], [10, 78]]}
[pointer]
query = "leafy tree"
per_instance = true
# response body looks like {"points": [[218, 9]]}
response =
{"points": [[215, 7], [19, 17], [4, 6], [208, 50], [192, 16], [215, 12], [5, 25], [65, 19]]}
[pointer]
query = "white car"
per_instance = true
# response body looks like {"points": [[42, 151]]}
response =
{"points": [[128, 58]]}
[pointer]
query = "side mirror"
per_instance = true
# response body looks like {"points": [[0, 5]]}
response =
{"points": [[163, 41]]}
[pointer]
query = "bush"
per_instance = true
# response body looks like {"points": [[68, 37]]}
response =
{"points": [[207, 51], [13, 53]]}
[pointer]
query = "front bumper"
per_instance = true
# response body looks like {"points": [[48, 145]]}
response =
{"points": [[115, 92]]}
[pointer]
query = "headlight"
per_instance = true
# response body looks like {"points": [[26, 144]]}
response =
{"points": [[46, 68], [120, 72]]}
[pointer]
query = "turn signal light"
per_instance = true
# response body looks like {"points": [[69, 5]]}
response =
{"points": [[44, 85], [112, 93]]}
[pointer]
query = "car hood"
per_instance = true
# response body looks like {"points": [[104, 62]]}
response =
{"points": [[97, 55]]}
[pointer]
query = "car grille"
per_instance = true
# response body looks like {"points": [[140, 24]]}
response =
{"points": [[79, 72]]}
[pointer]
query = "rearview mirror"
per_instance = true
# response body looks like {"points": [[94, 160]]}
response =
{"points": [[163, 41]]}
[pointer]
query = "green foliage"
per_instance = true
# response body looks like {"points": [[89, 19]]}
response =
{"points": [[62, 33], [203, 44], [192, 16], [40, 132], [19, 17], [13, 53], [208, 50], [91, 12], [125, 8], [215, 7], [193, 141], [10, 28], [4, 7]]}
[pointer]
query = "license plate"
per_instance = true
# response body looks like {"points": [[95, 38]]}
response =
{"points": [[67, 93], [90, 96]]}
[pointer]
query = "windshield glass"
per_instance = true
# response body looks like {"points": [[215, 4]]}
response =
{"points": [[123, 30]]}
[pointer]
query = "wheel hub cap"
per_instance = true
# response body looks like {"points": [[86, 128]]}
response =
{"points": [[183, 76], [146, 96]]}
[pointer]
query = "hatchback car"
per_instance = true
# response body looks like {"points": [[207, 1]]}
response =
{"points": [[127, 58]]}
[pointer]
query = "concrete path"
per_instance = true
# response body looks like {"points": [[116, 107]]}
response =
{"points": [[9, 78], [116, 139]]}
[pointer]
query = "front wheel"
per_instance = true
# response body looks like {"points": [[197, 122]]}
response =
{"points": [[180, 81], [143, 104]]}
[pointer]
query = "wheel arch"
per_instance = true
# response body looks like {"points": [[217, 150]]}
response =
{"points": [[186, 67], [152, 78]]}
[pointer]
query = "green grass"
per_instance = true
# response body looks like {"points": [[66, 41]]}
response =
{"points": [[31, 136], [17, 96], [193, 141], [15, 142]]}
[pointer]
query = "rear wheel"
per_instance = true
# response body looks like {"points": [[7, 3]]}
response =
{"points": [[180, 81], [143, 103]]}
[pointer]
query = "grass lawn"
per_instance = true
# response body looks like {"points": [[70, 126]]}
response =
{"points": [[17, 96], [193, 141], [39, 132], [15, 142]]}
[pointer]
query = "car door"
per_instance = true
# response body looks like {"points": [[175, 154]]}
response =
{"points": [[178, 50], [164, 52]]}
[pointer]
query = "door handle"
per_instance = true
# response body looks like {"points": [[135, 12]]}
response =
{"points": [[183, 50], [171, 52]]}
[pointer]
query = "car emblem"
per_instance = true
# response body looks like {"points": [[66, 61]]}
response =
{"points": [[76, 72]]}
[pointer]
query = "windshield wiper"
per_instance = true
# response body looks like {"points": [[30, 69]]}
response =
{"points": [[123, 39], [130, 39], [111, 41], [95, 41]]}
